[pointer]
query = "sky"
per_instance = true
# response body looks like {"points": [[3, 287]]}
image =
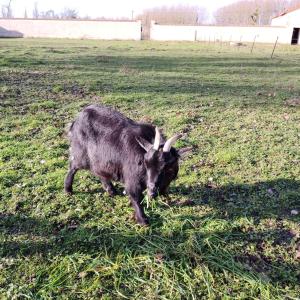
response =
{"points": [[105, 8]]}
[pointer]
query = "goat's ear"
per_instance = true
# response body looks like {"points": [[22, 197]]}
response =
{"points": [[184, 152], [144, 144]]}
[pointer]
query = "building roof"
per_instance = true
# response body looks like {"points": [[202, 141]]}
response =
{"points": [[287, 12]]}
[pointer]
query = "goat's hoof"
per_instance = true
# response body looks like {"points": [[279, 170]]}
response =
{"points": [[69, 192], [142, 221], [112, 193]]}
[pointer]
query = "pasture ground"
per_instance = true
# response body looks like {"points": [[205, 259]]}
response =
{"points": [[229, 229]]}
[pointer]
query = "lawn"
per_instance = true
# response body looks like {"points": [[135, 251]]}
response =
{"points": [[228, 230]]}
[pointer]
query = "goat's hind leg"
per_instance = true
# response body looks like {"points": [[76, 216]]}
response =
{"points": [[108, 186], [69, 179]]}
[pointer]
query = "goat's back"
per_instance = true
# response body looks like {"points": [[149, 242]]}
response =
{"points": [[97, 122]]}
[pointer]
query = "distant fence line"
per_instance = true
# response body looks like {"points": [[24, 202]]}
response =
{"points": [[132, 30]]}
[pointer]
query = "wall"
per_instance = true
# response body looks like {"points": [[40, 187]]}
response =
{"points": [[265, 34], [77, 29]]}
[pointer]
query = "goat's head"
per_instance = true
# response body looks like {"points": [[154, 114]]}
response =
{"points": [[161, 163]]}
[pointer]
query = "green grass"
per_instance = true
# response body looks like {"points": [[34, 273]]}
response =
{"points": [[225, 232]]}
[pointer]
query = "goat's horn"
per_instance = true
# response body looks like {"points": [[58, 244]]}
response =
{"points": [[170, 142], [156, 139]]}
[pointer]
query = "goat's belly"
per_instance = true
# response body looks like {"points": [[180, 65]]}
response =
{"points": [[109, 171]]}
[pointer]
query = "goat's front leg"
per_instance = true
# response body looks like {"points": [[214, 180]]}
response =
{"points": [[164, 191], [136, 196]]}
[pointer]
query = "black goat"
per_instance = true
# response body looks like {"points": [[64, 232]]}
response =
{"points": [[116, 148]]}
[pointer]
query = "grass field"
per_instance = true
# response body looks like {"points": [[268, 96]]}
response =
{"points": [[230, 228]]}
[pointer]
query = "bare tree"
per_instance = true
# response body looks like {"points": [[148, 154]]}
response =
{"points": [[270, 9], [6, 11], [246, 12], [49, 14], [202, 16], [178, 15], [35, 12], [294, 4], [69, 13]]}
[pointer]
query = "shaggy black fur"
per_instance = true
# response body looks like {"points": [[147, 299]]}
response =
{"points": [[109, 145]]}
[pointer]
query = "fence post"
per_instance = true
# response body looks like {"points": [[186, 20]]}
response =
{"points": [[253, 43], [274, 47]]}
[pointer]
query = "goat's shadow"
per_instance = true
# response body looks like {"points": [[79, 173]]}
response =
{"points": [[268, 199], [260, 201]]}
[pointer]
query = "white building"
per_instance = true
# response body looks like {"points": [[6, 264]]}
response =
{"points": [[290, 19]]}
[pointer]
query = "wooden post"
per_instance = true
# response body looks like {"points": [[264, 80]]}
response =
{"points": [[274, 47], [196, 35], [253, 43]]}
